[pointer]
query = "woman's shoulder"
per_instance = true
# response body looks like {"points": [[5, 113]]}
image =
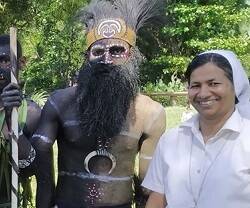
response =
{"points": [[170, 135]]}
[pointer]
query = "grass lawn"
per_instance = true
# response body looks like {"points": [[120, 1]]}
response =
{"points": [[174, 115]]}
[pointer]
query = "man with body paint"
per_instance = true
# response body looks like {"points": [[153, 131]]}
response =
{"points": [[29, 113], [102, 123]]}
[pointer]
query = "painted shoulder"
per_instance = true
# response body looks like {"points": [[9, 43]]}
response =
{"points": [[32, 104], [63, 97], [33, 116], [146, 105], [150, 114], [33, 108]]}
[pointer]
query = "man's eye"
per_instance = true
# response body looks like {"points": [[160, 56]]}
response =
{"points": [[4, 59], [116, 50], [98, 51]]}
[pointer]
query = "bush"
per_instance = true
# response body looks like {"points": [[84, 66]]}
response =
{"points": [[175, 85]]}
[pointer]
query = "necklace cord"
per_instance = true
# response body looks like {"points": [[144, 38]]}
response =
{"points": [[205, 175]]}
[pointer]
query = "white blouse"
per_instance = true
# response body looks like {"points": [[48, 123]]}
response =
{"points": [[212, 175]]}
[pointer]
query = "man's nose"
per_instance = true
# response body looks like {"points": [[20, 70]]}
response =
{"points": [[107, 58]]}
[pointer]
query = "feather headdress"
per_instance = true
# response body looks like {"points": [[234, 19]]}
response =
{"points": [[119, 19]]}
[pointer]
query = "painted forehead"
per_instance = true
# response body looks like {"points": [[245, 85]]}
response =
{"points": [[4, 50], [110, 42]]}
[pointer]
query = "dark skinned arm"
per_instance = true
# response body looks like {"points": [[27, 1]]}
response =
{"points": [[42, 141], [11, 97], [25, 148]]}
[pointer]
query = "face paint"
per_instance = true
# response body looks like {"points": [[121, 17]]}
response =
{"points": [[5, 66], [109, 51], [5, 57], [4, 78], [4, 61]]}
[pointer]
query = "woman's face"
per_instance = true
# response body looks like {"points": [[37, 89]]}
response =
{"points": [[211, 92]]}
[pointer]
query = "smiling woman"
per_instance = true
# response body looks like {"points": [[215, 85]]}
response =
{"points": [[206, 158], [210, 86]]}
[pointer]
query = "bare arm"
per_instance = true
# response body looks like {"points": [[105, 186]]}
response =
{"points": [[33, 118], [26, 152], [42, 141], [156, 200], [30, 114], [154, 128], [154, 124]]}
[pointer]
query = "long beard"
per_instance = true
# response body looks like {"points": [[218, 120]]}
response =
{"points": [[104, 96]]}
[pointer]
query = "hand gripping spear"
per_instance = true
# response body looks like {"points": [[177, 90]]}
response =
{"points": [[13, 127]]}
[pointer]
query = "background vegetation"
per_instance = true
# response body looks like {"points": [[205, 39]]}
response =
{"points": [[54, 45], [195, 26]]}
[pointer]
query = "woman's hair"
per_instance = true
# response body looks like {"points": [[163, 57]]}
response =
{"points": [[214, 58]]}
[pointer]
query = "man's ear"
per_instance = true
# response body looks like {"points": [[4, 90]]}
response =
{"points": [[22, 62]]}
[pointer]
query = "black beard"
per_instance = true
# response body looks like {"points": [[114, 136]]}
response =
{"points": [[104, 95]]}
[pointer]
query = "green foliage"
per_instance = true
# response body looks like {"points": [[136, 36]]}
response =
{"points": [[175, 85], [58, 47], [51, 40], [195, 26], [174, 115], [5, 170], [40, 97], [15, 13], [54, 45], [25, 193]]}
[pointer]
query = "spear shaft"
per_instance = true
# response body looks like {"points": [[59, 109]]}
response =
{"points": [[13, 129]]}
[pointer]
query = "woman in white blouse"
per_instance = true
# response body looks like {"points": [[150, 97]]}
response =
{"points": [[205, 162]]}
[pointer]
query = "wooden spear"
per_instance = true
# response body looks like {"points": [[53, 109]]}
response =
{"points": [[13, 129]]}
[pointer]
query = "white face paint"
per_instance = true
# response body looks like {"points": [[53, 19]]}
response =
{"points": [[109, 51], [5, 57]]}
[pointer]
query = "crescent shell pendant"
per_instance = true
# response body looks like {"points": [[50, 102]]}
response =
{"points": [[100, 152]]}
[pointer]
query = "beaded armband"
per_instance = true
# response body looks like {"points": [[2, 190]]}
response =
{"points": [[26, 162]]}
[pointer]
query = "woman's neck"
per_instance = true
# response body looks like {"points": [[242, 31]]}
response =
{"points": [[210, 127]]}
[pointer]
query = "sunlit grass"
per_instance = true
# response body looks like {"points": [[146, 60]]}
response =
{"points": [[177, 114]]}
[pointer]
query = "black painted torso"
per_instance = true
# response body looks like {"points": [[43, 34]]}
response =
{"points": [[96, 188]]}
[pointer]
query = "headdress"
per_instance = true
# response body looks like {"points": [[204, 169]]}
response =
{"points": [[240, 79], [120, 19]]}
